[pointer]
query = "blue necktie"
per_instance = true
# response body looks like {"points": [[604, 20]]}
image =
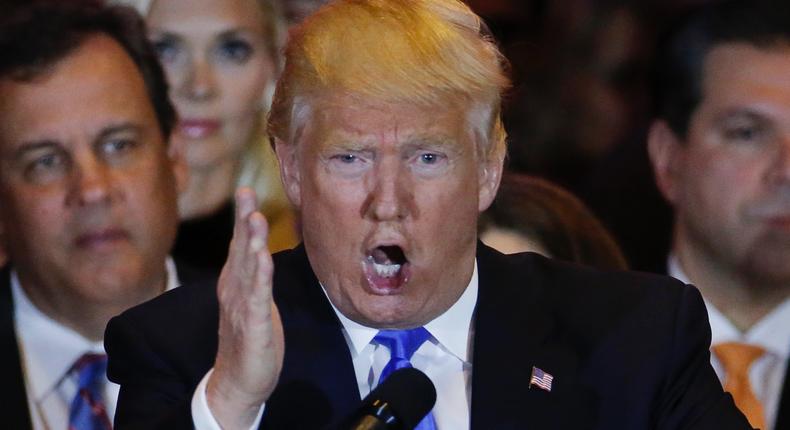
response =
{"points": [[88, 411], [402, 345]]}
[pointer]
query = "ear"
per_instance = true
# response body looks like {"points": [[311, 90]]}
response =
{"points": [[489, 175], [176, 153], [287, 155], [666, 153]]}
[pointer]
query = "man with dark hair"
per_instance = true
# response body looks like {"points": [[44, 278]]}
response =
{"points": [[720, 149], [88, 212]]}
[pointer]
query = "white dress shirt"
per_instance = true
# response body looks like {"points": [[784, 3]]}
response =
{"points": [[48, 350], [446, 359], [772, 333]]}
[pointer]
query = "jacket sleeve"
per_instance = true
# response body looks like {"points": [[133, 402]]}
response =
{"points": [[153, 395], [692, 397]]}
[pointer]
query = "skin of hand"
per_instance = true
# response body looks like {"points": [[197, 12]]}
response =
{"points": [[251, 346]]}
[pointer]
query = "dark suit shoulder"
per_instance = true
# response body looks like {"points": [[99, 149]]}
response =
{"points": [[627, 349], [13, 397], [160, 350], [586, 297]]}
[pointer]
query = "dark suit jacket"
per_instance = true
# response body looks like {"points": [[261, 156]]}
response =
{"points": [[13, 396], [626, 351], [783, 410]]}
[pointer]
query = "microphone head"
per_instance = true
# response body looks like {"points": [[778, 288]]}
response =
{"points": [[409, 394]]}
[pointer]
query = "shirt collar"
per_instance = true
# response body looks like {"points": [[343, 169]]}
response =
{"points": [[451, 329], [48, 348], [772, 332]]}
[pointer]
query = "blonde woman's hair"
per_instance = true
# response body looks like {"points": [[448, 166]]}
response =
{"points": [[424, 52]]}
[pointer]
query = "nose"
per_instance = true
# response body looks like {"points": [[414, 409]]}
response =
{"points": [[91, 182], [199, 83], [391, 196]]}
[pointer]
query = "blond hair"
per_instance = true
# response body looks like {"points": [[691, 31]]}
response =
{"points": [[423, 52]]}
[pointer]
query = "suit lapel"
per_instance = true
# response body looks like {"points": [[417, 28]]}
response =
{"points": [[318, 384], [515, 331], [13, 397]]}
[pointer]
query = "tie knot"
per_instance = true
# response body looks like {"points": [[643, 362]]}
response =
{"points": [[403, 343], [737, 357], [90, 369]]}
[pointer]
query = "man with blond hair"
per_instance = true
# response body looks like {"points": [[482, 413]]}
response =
{"points": [[386, 124]]}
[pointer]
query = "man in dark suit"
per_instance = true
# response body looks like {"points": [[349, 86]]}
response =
{"points": [[87, 202], [720, 148], [386, 124]]}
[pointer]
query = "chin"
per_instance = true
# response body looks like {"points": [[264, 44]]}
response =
{"points": [[389, 312]]}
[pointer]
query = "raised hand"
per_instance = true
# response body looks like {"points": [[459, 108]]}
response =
{"points": [[250, 353]]}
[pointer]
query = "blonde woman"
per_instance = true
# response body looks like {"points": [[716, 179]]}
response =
{"points": [[221, 59]]}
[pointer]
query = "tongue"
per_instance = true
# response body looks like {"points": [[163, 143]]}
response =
{"points": [[381, 257]]}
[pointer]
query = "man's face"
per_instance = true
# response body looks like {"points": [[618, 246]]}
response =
{"points": [[730, 180], [389, 196], [87, 186]]}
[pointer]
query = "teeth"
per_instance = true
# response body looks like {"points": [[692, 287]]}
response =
{"points": [[386, 270]]}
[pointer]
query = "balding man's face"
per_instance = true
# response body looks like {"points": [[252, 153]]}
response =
{"points": [[389, 195]]}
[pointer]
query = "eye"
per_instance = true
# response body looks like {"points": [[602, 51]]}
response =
{"points": [[747, 129], [46, 167], [429, 158], [743, 133], [117, 147], [48, 161], [346, 158], [429, 163], [349, 164], [235, 50], [167, 49]]}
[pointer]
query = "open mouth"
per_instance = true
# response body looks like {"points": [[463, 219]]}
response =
{"points": [[386, 268]]}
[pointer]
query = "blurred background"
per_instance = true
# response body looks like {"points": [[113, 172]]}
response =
{"points": [[580, 105]]}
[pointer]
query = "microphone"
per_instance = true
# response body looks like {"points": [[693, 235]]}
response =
{"points": [[398, 403]]}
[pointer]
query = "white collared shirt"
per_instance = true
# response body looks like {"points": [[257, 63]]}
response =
{"points": [[772, 333], [445, 359], [48, 350]]}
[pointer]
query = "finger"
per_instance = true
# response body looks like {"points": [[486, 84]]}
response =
{"points": [[258, 231], [245, 205], [263, 261]]}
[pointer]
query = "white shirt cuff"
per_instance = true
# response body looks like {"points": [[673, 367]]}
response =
{"points": [[202, 418]]}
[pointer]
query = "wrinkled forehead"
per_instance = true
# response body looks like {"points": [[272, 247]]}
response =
{"points": [[338, 118]]}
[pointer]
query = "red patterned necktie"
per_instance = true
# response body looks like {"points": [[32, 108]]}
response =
{"points": [[88, 411]]}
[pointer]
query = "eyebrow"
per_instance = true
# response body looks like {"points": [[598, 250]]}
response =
{"points": [[122, 127], [31, 146], [165, 35], [740, 112], [46, 142], [442, 142], [236, 32], [349, 143]]}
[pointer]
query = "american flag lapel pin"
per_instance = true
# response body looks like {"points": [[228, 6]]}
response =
{"points": [[540, 379]]}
